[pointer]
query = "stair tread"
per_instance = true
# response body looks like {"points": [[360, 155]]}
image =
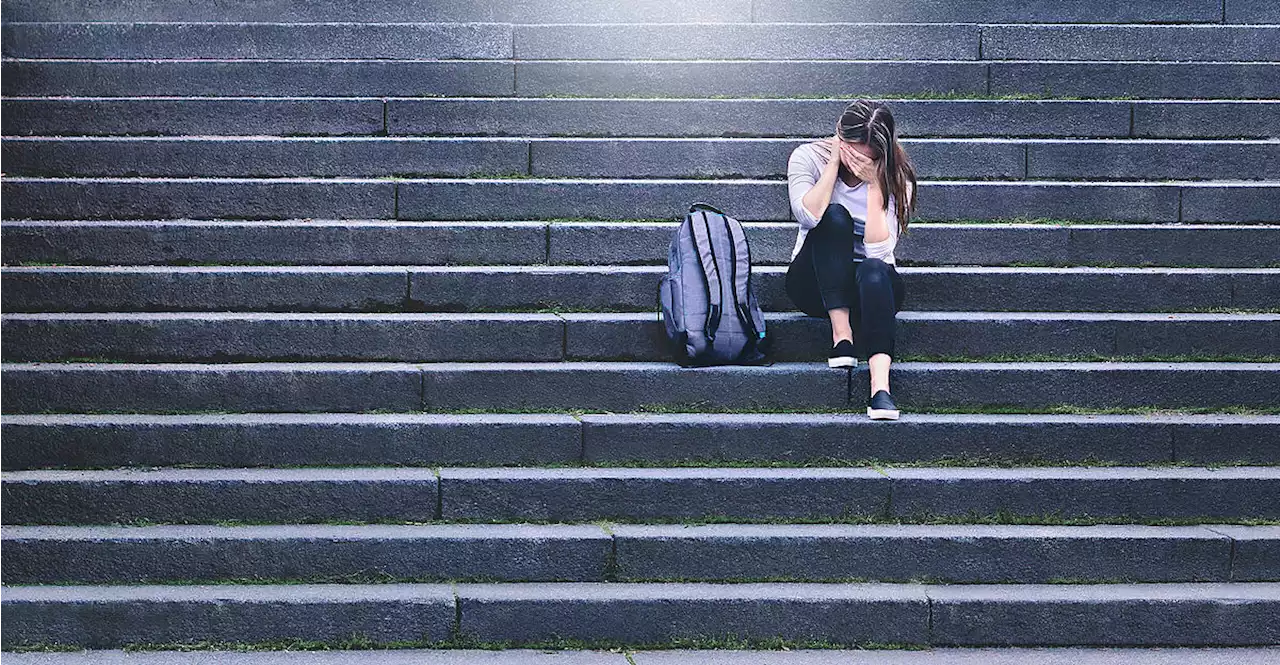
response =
{"points": [[323, 532], [625, 418], [446, 473], [685, 656]]}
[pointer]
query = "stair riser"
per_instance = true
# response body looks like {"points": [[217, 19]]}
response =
{"points": [[618, 159], [479, 41], [342, 243], [71, 502], [796, 499], [1184, 621], [617, 439], [958, 560], [580, 559], [753, 200], [924, 244], [638, 243], [623, 290], [1201, 557], [537, 11], [549, 338], [194, 116], [426, 614], [768, 79], [485, 495], [213, 78], [967, 615], [917, 386], [552, 439], [436, 387], [53, 441], [652, 11], [148, 389], [644, 118], [161, 41]]}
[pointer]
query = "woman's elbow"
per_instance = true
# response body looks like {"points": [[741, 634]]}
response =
{"points": [[804, 217]]}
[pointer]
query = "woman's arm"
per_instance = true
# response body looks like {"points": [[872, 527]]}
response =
{"points": [[879, 246], [877, 225], [810, 197]]}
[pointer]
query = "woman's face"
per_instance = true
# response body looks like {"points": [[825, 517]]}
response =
{"points": [[861, 148]]}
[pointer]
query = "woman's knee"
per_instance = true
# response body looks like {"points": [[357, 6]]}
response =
{"points": [[837, 217], [874, 271]]}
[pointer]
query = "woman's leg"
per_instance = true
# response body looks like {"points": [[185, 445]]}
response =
{"points": [[819, 277], [880, 295]]}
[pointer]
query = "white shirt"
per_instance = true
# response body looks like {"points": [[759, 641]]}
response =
{"points": [[803, 170]]}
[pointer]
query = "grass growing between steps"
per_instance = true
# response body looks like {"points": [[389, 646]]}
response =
{"points": [[462, 641], [885, 96], [989, 409]]}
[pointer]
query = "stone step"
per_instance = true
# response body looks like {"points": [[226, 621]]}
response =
{"points": [[956, 335], [1110, 492], [624, 386], [628, 494], [500, 439], [604, 288], [379, 11], [925, 243], [209, 495], [638, 41], [442, 552], [640, 78], [968, 159], [236, 337], [192, 116], [184, 116], [865, 655], [899, 41], [768, 117], [455, 199], [74, 440], [281, 41], [374, 242], [230, 78], [588, 553], [1193, 614], [645, 11]]}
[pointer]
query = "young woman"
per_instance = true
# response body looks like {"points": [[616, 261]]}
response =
{"points": [[845, 192]]}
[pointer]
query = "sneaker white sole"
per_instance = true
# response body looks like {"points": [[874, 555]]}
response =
{"points": [[882, 414], [842, 362]]}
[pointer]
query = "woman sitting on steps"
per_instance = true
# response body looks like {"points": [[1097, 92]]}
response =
{"points": [[844, 193]]}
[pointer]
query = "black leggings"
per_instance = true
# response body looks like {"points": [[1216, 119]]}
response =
{"points": [[826, 275]]}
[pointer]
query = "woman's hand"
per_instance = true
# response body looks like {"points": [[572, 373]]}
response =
{"points": [[832, 147], [865, 168]]}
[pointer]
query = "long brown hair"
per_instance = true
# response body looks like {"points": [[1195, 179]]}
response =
{"points": [[868, 121]]}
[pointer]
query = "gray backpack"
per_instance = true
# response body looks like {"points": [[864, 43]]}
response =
{"points": [[707, 303]]}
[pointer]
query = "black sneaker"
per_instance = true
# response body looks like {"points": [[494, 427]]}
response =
{"points": [[881, 406], [841, 355]]}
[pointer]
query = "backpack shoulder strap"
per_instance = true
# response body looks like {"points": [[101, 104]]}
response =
{"points": [[742, 278], [706, 253]]}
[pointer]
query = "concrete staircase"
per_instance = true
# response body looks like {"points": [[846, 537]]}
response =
{"points": [[333, 323]]}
